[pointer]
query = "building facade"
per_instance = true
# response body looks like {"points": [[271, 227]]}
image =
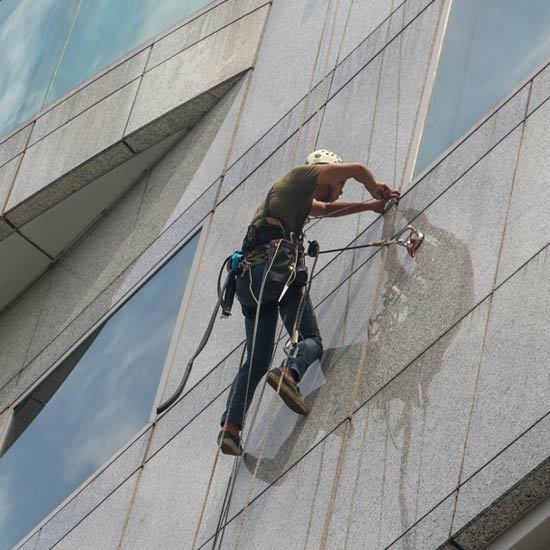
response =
{"points": [[136, 148]]}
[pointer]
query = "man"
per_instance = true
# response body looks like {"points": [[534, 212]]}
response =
{"points": [[311, 189]]}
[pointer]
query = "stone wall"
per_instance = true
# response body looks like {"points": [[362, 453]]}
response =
{"points": [[429, 423]]}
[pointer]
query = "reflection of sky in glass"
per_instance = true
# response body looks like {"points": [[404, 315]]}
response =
{"points": [[491, 46], [105, 400], [32, 35], [40, 61], [107, 30]]}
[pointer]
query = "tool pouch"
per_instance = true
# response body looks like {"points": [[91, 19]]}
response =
{"points": [[281, 260]]}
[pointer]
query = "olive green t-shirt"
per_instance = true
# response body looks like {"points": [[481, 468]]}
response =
{"points": [[290, 202]]}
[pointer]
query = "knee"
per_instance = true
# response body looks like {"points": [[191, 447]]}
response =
{"points": [[319, 345]]}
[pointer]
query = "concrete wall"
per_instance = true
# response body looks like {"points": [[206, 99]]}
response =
{"points": [[429, 424]]}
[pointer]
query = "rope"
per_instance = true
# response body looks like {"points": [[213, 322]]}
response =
{"points": [[218, 451], [267, 432], [310, 86], [362, 359], [306, 293]]}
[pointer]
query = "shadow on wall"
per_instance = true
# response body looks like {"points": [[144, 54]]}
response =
{"points": [[418, 302]]}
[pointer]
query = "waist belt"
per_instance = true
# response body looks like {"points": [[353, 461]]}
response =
{"points": [[258, 236]]}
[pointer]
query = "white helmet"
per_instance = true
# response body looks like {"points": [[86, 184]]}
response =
{"points": [[322, 156]]}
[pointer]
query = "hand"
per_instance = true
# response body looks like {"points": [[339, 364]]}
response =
{"points": [[385, 193], [378, 206]]}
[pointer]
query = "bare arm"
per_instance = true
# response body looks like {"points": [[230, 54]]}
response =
{"points": [[344, 208], [331, 173]]}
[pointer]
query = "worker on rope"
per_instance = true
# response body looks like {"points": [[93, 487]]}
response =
{"points": [[310, 189]]}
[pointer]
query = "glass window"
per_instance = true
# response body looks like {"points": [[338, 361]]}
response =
{"points": [[32, 36], [490, 47], [105, 30], [51, 46], [99, 397]]}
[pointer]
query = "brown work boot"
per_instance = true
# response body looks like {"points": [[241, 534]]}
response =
{"points": [[229, 443], [289, 391]]}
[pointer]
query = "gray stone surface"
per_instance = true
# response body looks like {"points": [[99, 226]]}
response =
{"points": [[5, 229], [293, 33], [175, 82], [9, 393], [402, 458], [39, 359], [179, 119], [88, 269], [93, 495], [56, 229], [540, 91], [362, 56], [364, 17], [173, 487], [290, 514], [18, 326], [166, 244], [510, 114], [504, 489], [513, 390], [15, 144], [74, 180], [7, 175], [373, 118], [194, 400], [200, 28], [175, 185], [198, 160], [275, 147], [527, 228], [90, 95], [96, 131], [30, 544], [103, 527], [454, 269], [432, 531], [22, 263]]}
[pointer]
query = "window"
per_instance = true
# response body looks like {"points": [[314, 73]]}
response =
{"points": [[491, 46], [100, 396], [51, 46]]}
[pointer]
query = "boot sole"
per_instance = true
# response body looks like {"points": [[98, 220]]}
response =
{"points": [[291, 398], [229, 447]]}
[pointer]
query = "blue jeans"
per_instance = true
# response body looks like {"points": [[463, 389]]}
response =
{"points": [[310, 346]]}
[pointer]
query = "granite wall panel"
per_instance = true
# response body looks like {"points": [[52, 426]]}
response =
{"points": [[228, 52], [513, 390], [527, 229], [104, 526], [541, 89], [454, 269], [402, 457], [293, 32], [504, 489], [87, 97], [199, 28], [7, 177], [94, 130], [93, 495], [14, 144], [417, 377]]}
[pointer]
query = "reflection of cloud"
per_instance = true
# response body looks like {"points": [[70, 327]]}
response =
{"points": [[26, 40], [33, 33]]}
